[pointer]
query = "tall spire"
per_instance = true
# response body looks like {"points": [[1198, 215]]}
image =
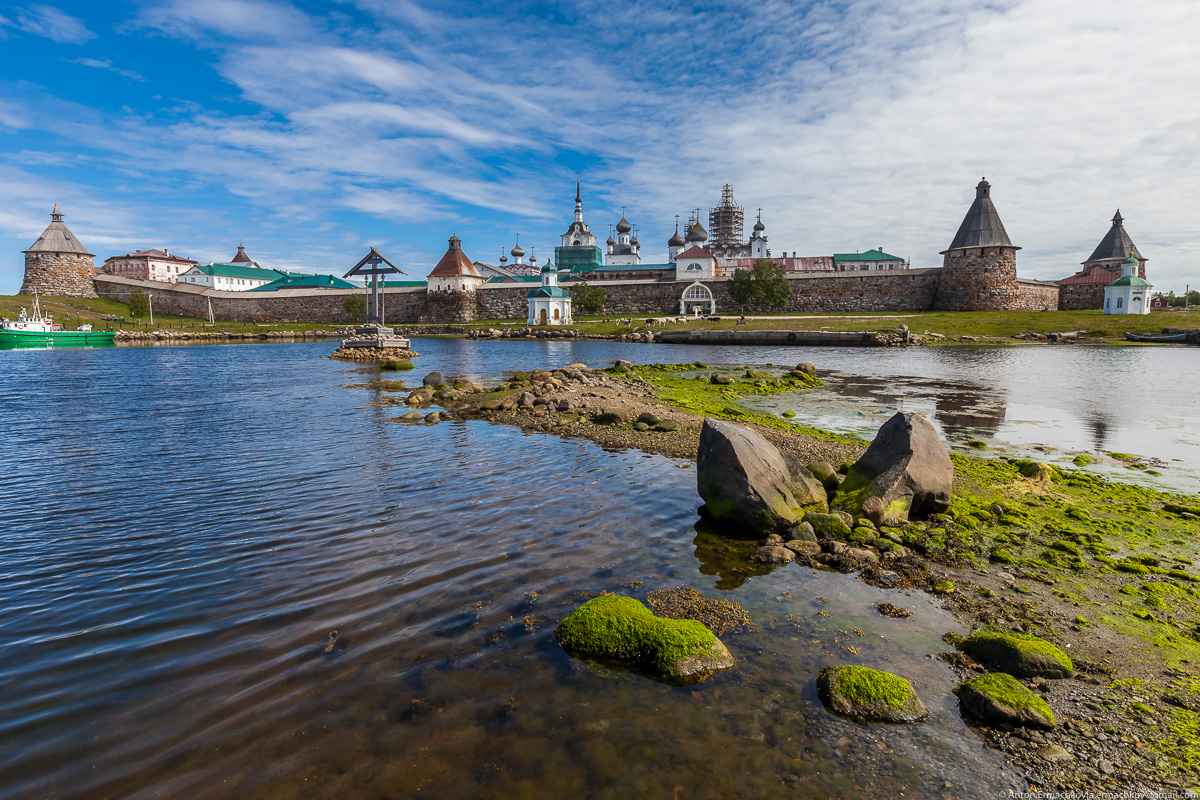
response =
{"points": [[578, 203], [56, 215]]}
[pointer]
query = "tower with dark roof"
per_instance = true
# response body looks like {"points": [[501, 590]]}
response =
{"points": [[979, 268], [1114, 248], [57, 264], [578, 251]]}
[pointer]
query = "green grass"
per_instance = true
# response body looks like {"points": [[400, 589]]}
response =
{"points": [[948, 323]]}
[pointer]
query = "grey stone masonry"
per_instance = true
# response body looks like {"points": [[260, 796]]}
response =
{"points": [[59, 274]]}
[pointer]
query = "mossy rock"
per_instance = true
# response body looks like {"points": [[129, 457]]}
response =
{"points": [[862, 535], [1018, 654], [1001, 698], [788, 414], [620, 631], [667, 425], [649, 419], [828, 526], [870, 694], [396, 365], [1002, 555], [826, 473]]}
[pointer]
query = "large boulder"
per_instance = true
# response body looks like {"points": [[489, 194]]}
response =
{"points": [[748, 485], [620, 631], [906, 467], [1018, 654], [1001, 698], [870, 694]]}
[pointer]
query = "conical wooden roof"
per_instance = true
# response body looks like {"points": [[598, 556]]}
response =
{"points": [[982, 226], [57, 238], [455, 262], [1116, 243]]}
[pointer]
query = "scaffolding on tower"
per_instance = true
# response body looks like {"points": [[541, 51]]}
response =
{"points": [[725, 223]]}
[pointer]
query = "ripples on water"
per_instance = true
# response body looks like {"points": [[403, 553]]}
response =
{"points": [[188, 527]]}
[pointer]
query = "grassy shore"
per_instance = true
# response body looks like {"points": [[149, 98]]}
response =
{"points": [[952, 324]]}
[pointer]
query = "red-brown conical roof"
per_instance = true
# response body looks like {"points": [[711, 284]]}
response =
{"points": [[455, 262], [241, 257]]}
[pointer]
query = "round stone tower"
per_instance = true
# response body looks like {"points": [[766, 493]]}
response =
{"points": [[979, 269], [57, 264]]}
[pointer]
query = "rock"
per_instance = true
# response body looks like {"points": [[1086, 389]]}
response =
{"points": [[827, 526], [434, 379], [745, 481], [906, 467], [579, 367], [873, 509], [1055, 754], [826, 473], [1018, 654], [807, 367], [860, 555], [667, 425], [623, 363], [1037, 471], [806, 532], [803, 547], [613, 415], [433, 417], [870, 694], [411, 416], [641, 426], [1000, 698], [621, 631], [526, 400], [720, 378], [567, 405], [649, 419], [775, 554]]}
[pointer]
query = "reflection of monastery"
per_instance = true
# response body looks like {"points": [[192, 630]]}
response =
{"points": [[978, 272]]}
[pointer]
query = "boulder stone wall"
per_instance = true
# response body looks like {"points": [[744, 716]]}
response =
{"points": [[59, 275], [979, 279], [1081, 297]]}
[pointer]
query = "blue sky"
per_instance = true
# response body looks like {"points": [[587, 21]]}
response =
{"points": [[310, 131]]}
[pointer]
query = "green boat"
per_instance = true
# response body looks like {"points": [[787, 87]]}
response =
{"points": [[36, 330]]}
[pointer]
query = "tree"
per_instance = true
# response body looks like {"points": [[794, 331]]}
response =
{"points": [[741, 288], [588, 299], [771, 287], [138, 306], [356, 306]]}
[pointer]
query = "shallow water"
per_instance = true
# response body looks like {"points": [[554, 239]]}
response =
{"points": [[189, 525]]}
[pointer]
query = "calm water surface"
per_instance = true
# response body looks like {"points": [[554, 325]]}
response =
{"points": [[188, 526]]}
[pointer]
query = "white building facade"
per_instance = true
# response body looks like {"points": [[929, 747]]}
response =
{"points": [[229, 277], [549, 304], [149, 265], [1128, 294]]}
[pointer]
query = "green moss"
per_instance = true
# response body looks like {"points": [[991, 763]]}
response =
{"points": [[977, 444], [943, 587], [621, 630], [1131, 567], [1065, 547], [862, 685], [396, 365], [1020, 654], [1082, 460], [1007, 691], [1002, 556], [788, 414], [862, 536]]}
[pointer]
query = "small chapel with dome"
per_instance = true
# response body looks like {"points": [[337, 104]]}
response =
{"points": [[549, 304]]}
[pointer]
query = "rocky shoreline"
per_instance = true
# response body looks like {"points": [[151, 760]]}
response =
{"points": [[1103, 571], [218, 336]]}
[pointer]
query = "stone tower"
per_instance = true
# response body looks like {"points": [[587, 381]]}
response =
{"points": [[57, 264], [979, 270]]}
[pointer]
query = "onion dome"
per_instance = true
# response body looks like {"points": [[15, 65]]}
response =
{"points": [[611, 241], [517, 251], [634, 241], [1132, 261], [758, 226], [623, 226], [696, 232], [503, 258], [549, 267], [533, 261], [676, 240]]}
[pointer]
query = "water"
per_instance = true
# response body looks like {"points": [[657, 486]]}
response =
{"points": [[187, 526]]}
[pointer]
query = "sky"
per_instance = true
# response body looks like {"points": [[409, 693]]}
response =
{"points": [[310, 131]]}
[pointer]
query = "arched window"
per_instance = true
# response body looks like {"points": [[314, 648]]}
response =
{"points": [[1120, 300], [556, 313]]}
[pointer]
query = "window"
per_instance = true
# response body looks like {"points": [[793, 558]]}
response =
{"points": [[1120, 300]]}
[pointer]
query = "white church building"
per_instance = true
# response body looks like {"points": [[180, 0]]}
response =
{"points": [[549, 304], [1128, 294]]}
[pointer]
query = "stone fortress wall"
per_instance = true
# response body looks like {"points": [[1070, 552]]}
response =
{"points": [[59, 275], [821, 292]]}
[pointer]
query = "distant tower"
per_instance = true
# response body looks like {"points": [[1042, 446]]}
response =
{"points": [[57, 264], [979, 270], [240, 257], [518, 254], [625, 251], [1115, 247], [725, 226], [758, 239]]}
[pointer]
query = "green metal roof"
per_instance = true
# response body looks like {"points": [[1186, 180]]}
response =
{"points": [[870, 255], [238, 271], [1130, 280], [515, 279], [549, 291], [304, 280]]}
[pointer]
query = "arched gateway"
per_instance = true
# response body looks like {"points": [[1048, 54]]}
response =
{"points": [[697, 296]]}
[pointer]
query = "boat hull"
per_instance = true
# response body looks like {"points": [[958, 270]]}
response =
{"points": [[1157, 337], [10, 338]]}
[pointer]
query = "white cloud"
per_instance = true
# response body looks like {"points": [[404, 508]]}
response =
{"points": [[104, 63], [51, 23]]}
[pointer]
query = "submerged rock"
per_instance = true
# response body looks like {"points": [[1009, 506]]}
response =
{"points": [[906, 467], [870, 694], [1001, 698], [1018, 654], [828, 526], [748, 485], [434, 379], [620, 631], [775, 554]]}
